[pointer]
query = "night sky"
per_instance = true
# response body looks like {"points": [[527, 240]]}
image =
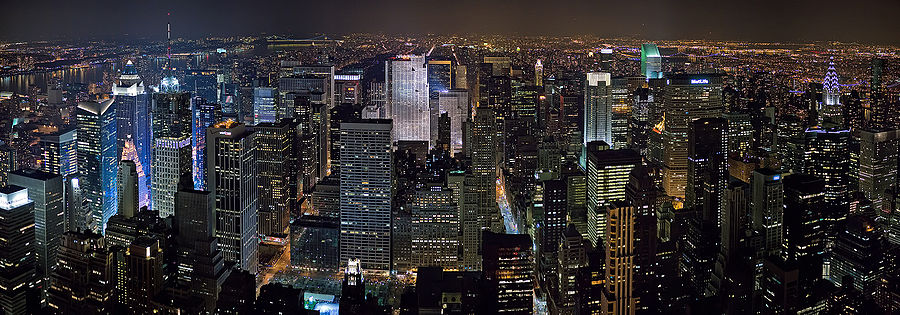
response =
{"points": [[873, 21]]}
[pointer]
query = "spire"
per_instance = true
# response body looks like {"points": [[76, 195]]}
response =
{"points": [[169, 83], [831, 87]]}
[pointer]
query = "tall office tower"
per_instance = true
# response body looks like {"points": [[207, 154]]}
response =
{"points": [[144, 261], [572, 257], [878, 164], [84, 282], [201, 83], [347, 88], [314, 242], [878, 113], [618, 295], [435, 228], [440, 78], [366, 173], [127, 187], [205, 113], [264, 108], [828, 157], [275, 163], [643, 194], [687, 97], [201, 265], [7, 161], [46, 191], [555, 196], [620, 99], [464, 189], [804, 227], [831, 112], [484, 168], [607, 175], [97, 161], [707, 167], [597, 108], [232, 179], [339, 114], [171, 158], [767, 209], [59, 153], [406, 89], [230, 98], [740, 133], [316, 78], [639, 123], [732, 276], [651, 62], [538, 73], [455, 103], [508, 268], [132, 104], [172, 116], [17, 225], [443, 137], [858, 252]]}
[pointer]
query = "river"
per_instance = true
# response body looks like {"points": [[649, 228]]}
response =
{"points": [[19, 83]]}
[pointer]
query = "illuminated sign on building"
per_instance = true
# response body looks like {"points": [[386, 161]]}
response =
{"points": [[699, 81]]}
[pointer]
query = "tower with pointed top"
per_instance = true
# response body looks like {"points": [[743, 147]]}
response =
{"points": [[831, 97], [538, 73]]}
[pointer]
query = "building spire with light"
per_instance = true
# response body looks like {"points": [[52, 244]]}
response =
{"points": [[169, 84]]}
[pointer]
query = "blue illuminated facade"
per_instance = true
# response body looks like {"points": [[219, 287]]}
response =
{"points": [[204, 114], [98, 160]]}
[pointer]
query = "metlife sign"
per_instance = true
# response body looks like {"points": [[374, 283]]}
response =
{"points": [[699, 81]]}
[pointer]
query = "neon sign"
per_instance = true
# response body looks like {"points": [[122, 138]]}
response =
{"points": [[699, 81]]}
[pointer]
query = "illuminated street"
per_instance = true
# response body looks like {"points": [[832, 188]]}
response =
{"points": [[509, 219]]}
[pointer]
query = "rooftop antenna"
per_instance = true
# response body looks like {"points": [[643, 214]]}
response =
{"points": [[168, 42]]}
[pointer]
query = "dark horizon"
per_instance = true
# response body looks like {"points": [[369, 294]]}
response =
{"points": [[867, 21]]}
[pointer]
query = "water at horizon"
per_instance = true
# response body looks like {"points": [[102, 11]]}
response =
{"points": [[19, 83]]}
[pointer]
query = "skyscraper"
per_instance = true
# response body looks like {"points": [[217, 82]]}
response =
{"points": [[435, 228], [97, 161], [767, 209], [508, 267], [132, 104], [538, 73], [484, 176], [831, 111], [366, 173], [264, 108], [8, 161], [707, 167], [406, 88], [201, 83], [828, 157], [619, 244], [274, 143], [651, 62], [878, 164], [127, 186], [206, 113], [201, 264], [607, 176], [59, 153], [597, 108], [455, 103], [45, 190], [687, 97], [171, 159], [85, 280], [17, 273], [232, 178], [144, 261], [440, 78]]}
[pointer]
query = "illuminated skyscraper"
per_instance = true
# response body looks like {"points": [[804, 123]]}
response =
{"points": [[264, 108], [17, 273], [878, 164], [46, 192], [85, 280], [620, 100], [201, 264], [406, 88], [144, 261], [97, 161], [651, 62], [619, 244], [508, 267], [440, 78], [456, 104], [607, 176], [831, 111], [171, 159], [232, 178], [205, 114], [538, 73], [435, 228], [132, 104], [274, 143], [828, 157], [767, 209], [687, 97], [59, 153], [366, 193], [201, 83], [8, 161], [597, 108]]}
